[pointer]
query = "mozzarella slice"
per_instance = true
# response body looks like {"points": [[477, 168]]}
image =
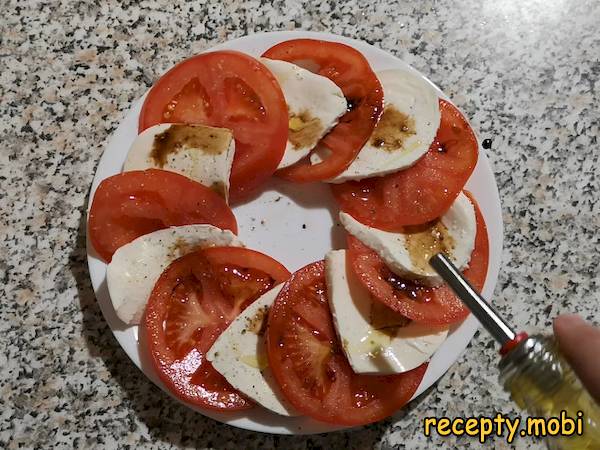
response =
{"points": [[135, 267], [314, 105], [407, 254], [406, 129], [240, 355], [375, 339], [199, 152]]}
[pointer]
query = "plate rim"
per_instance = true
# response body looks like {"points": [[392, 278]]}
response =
{"points": [[434, 372]]}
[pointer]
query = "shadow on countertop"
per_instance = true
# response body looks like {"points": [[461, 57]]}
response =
{"points": [[166, 419]]}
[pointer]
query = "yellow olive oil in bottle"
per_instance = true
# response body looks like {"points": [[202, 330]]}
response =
{"points": [[534, 372], [541, 382]]}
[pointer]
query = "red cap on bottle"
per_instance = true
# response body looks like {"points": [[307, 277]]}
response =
{"points": [[513, 343]]}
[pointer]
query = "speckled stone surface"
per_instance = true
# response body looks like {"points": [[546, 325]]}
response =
{"points": [[524, 71]]}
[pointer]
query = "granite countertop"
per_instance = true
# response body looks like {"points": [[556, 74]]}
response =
{"points": [[524, 71]]}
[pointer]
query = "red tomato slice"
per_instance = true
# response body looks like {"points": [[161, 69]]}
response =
{"points": [[231, 90], [192, 303], [309, 365], [131, 204], [350, 70], [434, 306], [422, 192], [241, 282]]}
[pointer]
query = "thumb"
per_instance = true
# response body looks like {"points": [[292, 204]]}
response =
{"points": [[580, 344]]}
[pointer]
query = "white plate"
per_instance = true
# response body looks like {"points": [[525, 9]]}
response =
{"points": [[276, 228]]}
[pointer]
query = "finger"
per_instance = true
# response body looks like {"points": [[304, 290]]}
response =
{"points": [[580, 343]]}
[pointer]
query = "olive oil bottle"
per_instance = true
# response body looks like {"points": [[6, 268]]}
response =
{"points": [[533, 371], [541, 382]]}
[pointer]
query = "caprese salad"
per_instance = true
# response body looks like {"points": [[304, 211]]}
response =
{"points": [[344, 340]]}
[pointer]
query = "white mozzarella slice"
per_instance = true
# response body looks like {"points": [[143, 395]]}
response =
{"points": [[407, 254], [136, 266], [240, 355], [375, 339], [408, 125], [314, 105], [202, 153]]}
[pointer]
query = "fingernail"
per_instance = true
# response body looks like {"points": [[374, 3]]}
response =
{"points": [[569, 320]]}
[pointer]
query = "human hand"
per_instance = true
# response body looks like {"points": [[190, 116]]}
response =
{"points": [[579, 342]]}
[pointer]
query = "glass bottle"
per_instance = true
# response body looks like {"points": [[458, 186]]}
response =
{"points": [[541, 382]]}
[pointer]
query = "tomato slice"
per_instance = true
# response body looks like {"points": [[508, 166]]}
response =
{"points": [[434, 306], [307, 361], [192, 303], [231, 90], [422, 192], [131, 204], [350, 70], [241, 265]]}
